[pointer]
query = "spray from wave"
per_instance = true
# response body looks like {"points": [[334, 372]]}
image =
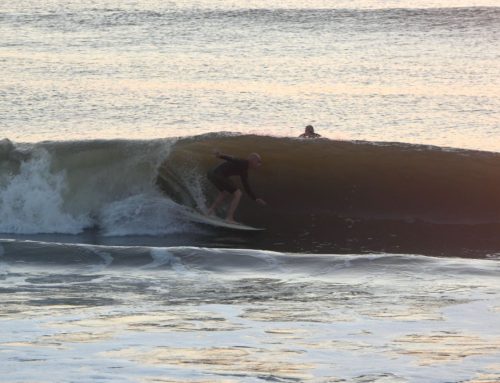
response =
{"points": [[32, 200], [68, 187]]}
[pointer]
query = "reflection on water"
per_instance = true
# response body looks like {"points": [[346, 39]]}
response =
{"points": [[188, 325], [446, 346], [236, 361]]}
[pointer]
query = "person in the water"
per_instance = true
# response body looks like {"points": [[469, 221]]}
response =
{"points": [[220, 178], [309, 133]]}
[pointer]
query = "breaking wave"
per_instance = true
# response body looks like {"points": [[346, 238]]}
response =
{"points": [[342, 193]]}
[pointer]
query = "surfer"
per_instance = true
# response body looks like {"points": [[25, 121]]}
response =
{"points": [[309, 133], [220, 178]]}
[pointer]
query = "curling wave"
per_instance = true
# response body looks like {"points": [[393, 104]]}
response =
{"points": [[355, 179], [321, 194]]}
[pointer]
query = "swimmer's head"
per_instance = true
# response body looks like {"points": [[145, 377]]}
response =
{"points": [[309, 129]]}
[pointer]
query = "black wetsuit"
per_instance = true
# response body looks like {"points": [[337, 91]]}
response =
{"points": [[231, 167]]}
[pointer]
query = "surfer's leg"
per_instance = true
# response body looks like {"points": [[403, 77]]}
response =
{"points": [[220, 198], [234, 204]]}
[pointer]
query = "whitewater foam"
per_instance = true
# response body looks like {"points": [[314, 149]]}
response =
{"points": [[107, 258], [142, 214], [69, 187], [32, 201], [163, 257]]}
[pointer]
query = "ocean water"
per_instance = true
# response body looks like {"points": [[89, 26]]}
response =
{"points": [[379, 262], [423, 72]]}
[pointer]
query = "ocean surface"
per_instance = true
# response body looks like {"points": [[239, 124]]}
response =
{"points": [[380, 258]]}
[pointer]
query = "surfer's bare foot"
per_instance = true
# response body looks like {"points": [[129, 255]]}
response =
{"points": [[231, 220]]}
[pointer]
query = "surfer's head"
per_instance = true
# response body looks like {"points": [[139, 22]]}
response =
{"points": [[254, 160]]}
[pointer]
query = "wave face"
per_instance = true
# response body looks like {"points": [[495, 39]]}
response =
{"points": [[355, 179], [343, 196], [322, 195]]}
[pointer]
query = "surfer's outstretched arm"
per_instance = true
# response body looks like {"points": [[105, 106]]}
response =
{"points": [[248, 189], [246, 185], [224, 156], [227, 158]]}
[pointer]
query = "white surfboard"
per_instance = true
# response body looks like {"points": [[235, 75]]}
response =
{"points": [[195, 216]]}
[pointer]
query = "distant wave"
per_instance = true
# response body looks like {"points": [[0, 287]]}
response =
{"points": [[188, 259]]}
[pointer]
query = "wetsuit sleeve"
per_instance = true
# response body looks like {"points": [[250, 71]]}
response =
{"points": [[227, 158], [244, 181]]}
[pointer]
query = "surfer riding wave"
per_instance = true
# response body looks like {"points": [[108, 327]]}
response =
{"points": [[220, 177]]}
